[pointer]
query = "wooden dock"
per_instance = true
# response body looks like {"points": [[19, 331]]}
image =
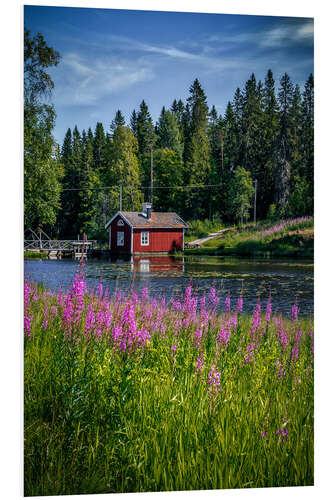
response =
{"points": [[56, 249]]}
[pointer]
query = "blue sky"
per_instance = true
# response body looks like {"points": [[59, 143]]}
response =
{"points": [[112, 59]]}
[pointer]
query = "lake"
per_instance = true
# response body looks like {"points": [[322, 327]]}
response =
{"points": [[166, 275]]}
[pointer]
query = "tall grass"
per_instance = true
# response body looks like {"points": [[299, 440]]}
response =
{"points": [[200, 228], [130, 393]]}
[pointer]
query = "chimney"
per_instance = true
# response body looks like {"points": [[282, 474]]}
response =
{"points": [[147, 210]]}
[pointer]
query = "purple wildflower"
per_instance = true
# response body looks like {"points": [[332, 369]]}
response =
{"points": [[251, 350], [214, 381], [294, 311], [200, 364], [256, 317], [224, 336], [227, 303], [27, 325], [239, 306], [268, 309], [282, 433], [173, 348]]}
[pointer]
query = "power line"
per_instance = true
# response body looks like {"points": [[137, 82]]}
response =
{"points": [[143, 187]]}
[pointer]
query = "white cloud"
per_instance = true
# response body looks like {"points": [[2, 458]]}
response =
{"points": [[282, 35], [82, 81]]}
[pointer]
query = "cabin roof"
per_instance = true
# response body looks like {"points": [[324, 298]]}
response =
{"points": [[169, 220]]}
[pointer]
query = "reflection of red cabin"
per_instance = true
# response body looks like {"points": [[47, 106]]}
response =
{"points": [[146, 232]]}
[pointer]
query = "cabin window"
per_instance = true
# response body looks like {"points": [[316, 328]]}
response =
{"points": [[145, 238], [120, 222], [120, 238]]}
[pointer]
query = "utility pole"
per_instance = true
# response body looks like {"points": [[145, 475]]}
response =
{"points": [[255, 202], [151, 174], [120, 197]]}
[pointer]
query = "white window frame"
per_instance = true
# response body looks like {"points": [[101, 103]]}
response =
{"points": [[120, 222], [120, 238], [144, 238]]}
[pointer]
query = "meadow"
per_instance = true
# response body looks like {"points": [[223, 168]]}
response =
{"points": [[282, 238], [131, 393]]}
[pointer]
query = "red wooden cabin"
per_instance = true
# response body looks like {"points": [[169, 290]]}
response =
{"points": [[145, 232]]}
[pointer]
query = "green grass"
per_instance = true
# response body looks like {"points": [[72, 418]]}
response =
{"points": [[201, 228], [35, 255], [295, 240], [98, 420]]}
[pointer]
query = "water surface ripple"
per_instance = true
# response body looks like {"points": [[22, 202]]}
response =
{"points": [[170, 275]]}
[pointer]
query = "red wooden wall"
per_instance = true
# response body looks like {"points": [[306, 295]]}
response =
{"points": [[127, 236], [160, 240]]}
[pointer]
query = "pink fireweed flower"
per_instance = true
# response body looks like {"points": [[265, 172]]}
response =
{"points": [[135, 298], [263, 434], [239, 306], [224, 336], [294, 311], [173, 348], [90, 320], [268, 309], [227, 303], [199, 365], [213, 299], [282, 433], [67, 315], [233, 320], [214, 381], [251, 350], [144, 294], [186, 322], [44, 325], [27, 291], [203, 302], [176, 305], [256, 317], [100, 289], [27, 325], [198, 337], [282, 334], [60, 298]]}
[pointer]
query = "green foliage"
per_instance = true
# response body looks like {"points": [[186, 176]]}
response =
{"points": [[201, 228], [168, 132], [42, 166], [241, 192], [168, 170], [270, 137], [272, 213]]}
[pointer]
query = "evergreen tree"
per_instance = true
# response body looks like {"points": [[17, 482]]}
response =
{"points": [[144, 130], [284, 146], [265, 195], [240, 194], [168, 168], [100, 150], [42, 166], [89, 182], [118, 120], [308, 138], [168, 133], [197, 150], [124, 171], [133, 122]]}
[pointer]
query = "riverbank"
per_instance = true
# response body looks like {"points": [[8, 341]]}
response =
{"points": [[126, 393], [290, 238], [35, 255]]}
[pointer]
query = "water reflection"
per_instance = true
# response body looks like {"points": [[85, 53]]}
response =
{"points": [[167, 275]]}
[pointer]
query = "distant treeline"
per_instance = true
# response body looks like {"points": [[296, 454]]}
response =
{"points": [[263, 136]]}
